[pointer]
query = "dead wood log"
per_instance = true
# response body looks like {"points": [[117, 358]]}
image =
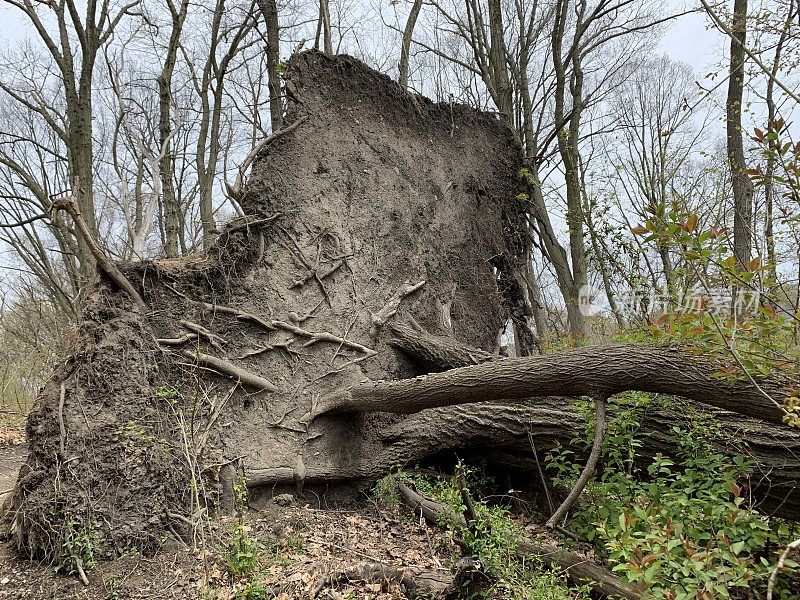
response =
{"points": [[504, 433], [579, 569], [774, 451], [593, 371]]}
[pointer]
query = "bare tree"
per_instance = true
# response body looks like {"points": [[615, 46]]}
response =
{"points": [[405, 48], [269, 11], [169, 201], [229, 35], [75, 66], [742, 186]]}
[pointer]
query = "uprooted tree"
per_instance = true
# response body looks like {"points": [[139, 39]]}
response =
{"points": [[382, 243]]}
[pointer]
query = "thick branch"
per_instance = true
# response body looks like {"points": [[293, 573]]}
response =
{"points": [[593, 371]]}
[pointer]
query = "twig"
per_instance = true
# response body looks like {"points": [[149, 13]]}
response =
{"points": [[344, 337], [739, 362], [314, 273], [313, 337], [541, 473], [68, 204], [239, 314], [591, 464], [469, 507], [61, 428], [323, 336], [781, 563], [81, 572], [213, 419], [732, 350], [225, 368]]}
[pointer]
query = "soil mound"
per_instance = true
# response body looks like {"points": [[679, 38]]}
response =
{"points": [[377, 202]]}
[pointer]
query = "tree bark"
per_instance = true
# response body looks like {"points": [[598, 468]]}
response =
{"points": [[405, 49], [742, 186], [592, 371]]}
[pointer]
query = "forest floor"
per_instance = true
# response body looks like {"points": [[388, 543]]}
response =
{"points": [[300, 548]]}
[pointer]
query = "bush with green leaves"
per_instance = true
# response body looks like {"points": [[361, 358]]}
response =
{"points": [[243, 552], [677, 529], [77, 550]]}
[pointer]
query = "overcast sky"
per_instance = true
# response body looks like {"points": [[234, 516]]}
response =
{"points": [[686, 40]]}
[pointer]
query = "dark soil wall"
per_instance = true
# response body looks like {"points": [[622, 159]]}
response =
{"points": [[373, 189]]}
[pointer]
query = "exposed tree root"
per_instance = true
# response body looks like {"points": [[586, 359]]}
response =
{"points": [[435, 352], [68, 204], [230, 370], [212, 338], [380, 318], [312, 337], [178, 341]]}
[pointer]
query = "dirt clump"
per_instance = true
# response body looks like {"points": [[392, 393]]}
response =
{"points": [[379, 205]]}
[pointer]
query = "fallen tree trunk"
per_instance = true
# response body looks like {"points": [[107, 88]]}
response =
{"points": [[593, 371], [503, 432], [302, 295]]}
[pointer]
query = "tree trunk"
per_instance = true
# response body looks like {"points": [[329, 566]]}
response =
{"points": [[742, 186], [591, 371], [405, 48], [568, 137], [269, 9], [504, 432], [171, 206], [503, 91]]}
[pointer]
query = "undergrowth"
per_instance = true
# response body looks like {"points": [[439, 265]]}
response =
{"points": [[492, 538], [679, 528]]}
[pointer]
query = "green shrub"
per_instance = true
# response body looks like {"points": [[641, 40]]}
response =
{"points": [[243, 552], [677, 529]]}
